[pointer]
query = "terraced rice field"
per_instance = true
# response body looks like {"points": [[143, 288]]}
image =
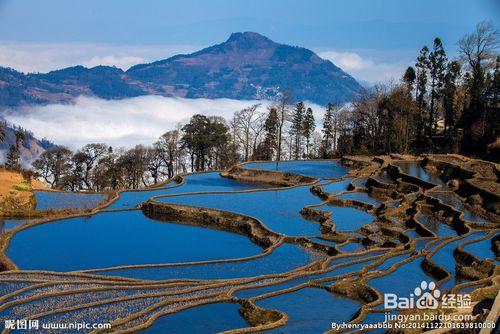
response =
{"points": [[207, 254]]}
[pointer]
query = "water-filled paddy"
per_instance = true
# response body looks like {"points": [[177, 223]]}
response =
{"points": [[341, 270], [210, 318], [310, 310], [7, 225], [444, 257], [128, 238], [280, 209], [439, 228], [326, 169], [286, 257], [55, 200], [120, 238], [337, 186], [482, 249], [360, 196], [200, 182], [415, 170], [453, 200], [391, 283], [346, 218]]}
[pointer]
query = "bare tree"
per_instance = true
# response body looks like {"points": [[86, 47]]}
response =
{"points": [[478, 52], [88, 157], [171, 151], [247, 124], [478, 49]]}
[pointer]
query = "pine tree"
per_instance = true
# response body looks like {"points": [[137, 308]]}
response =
{"points": [[308, 127], [271, 135], [422, 66], [409, 77], [328, 130], [449, 89], [296, 127], [437, 66], [13, 158]]}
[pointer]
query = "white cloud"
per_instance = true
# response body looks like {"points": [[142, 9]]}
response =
{"points": [[124, 62], [348, 61], [122, 123], [44, 57], [365, 68]]}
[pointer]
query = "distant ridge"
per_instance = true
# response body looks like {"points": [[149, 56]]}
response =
{"points": [[246, 66]]}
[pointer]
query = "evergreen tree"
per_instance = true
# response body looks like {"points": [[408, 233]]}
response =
{"points": [[270, 143], [449, 90], [13, 158], [308, 127], [296, 127], [437, 67], [328, 130], [422, 66], [409, 77]]}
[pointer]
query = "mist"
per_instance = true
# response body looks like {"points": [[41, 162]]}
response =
{"points": [[122, 123]]}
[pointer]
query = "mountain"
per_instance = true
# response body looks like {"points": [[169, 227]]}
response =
{"points": [[246, 66], [31, 147]]}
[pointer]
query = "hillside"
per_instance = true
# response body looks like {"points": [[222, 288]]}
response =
{"points": [[15, 193], [246, 66], [31, 148]]}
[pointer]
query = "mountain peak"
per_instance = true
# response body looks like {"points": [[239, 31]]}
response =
{"points": [[249, 37]]}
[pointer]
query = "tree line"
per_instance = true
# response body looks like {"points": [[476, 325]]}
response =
{"points": [[439, 105]]}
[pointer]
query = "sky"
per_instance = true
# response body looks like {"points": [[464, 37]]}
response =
{"points": [[372, 40]]}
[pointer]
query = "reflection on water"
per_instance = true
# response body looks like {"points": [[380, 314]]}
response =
{"points": [[200, 182], [453, 200], [278, 209], [413, 169], [318, 169], [433, 224]]}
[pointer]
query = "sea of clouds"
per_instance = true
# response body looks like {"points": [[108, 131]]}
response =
{"points": [[123, 123]]}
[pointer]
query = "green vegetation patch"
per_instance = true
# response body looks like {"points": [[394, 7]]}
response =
{"points": [[23, 186]]}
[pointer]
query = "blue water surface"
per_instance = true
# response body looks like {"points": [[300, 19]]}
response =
{"points": [[346, 218], [58, 200], [120, 238], [482, 249], [210, 181], [278, 209], [444, 258], [310, 310], [321, 169], [210, 318]]}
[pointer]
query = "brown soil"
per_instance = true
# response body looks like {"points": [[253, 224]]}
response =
{"points": [[8, 181]]}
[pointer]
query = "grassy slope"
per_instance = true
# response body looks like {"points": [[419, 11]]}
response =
{"points": [[12, 186]]}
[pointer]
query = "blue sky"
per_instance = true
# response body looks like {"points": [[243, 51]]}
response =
{"points": [[371, 39]]}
